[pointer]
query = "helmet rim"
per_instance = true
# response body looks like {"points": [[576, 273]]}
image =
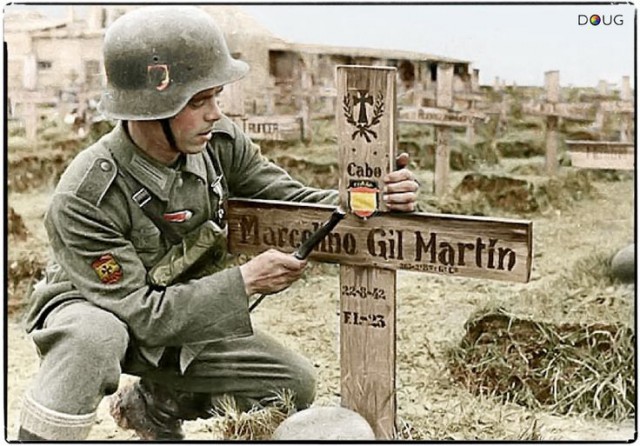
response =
{"points": [[133, 104]]}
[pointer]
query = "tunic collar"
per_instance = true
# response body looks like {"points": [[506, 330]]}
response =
{"points": [[151, 174]]}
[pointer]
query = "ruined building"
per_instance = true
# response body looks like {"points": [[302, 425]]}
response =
{"points": [[60, 57]]}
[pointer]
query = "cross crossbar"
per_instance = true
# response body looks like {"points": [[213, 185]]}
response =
{"points": [[454, 245]]}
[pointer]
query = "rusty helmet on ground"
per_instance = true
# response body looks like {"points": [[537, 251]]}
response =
{"points": [[157, 58]]}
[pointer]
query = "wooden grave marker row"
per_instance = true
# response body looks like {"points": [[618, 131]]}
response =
{"points": [[270, 127], [553, 110], [442, 117], [370, 244], [624, 108]]}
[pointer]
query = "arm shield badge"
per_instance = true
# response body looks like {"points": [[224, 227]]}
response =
{"points": [[107, 269]]}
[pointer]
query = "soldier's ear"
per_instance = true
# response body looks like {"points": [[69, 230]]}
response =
{"points": [[402, 160]]}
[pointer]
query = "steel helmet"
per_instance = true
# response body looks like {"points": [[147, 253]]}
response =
{"points": [[157, 58]]}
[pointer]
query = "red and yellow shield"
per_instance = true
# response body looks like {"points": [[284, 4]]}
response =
{"points": [[363, 198], [107, 269]]}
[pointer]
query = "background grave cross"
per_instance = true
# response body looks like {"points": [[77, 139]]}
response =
{"points": [[443, 117], [588, 154], [370, 251]]}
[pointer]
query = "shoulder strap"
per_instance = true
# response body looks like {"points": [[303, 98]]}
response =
{"points": [[96, 180]]}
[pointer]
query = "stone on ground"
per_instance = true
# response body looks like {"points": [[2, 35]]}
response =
{"points": [[623, 264], [324, 423]]}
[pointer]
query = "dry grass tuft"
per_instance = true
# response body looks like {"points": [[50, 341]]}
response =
{"points": [[561, 191], [259, 423], [567, 369], [473, 420]]}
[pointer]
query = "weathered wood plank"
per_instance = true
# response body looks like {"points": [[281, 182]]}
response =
{"points": [[444, 85], [579, 111], [367, 345], [602, 154], [464, 246], [272, 128], [551, 142], [552, 86], [443, 160], [617, 107], [366, 146], [436, 116]]}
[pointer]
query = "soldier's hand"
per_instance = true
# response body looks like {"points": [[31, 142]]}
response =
{"points": [[271, 271], [401, 187]]}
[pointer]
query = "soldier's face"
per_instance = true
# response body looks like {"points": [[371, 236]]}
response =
{"points": [[193, 125]]}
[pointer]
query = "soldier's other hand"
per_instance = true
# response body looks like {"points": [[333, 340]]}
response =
{"points": [[270, 272], [401, 187]]}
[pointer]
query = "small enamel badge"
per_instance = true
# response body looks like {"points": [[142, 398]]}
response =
{"points": [[159, 76], [363, 198], [178, 216], [107, 269]]}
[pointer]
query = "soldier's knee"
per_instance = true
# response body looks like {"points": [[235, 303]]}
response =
{"points": [[95, 346], [303, 384], [103, 338]]}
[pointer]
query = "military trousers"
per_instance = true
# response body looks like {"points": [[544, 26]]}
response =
{"points": [[84, 350]]}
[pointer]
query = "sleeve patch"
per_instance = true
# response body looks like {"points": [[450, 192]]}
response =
{"points": [[107, 268]]}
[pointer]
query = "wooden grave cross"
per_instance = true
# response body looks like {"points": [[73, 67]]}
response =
{"points": [[588, 154], [270, 127], [27, 103], [443, 118], [552, 109], [623, 108], [370, 244]]}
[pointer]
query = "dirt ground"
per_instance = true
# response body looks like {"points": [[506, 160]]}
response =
{"points": [[432, 311]]}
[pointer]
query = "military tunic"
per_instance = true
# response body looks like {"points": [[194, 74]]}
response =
{"points": [[104, 244]]}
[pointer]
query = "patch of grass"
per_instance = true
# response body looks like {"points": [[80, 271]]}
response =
{"points": [[259, 423], [474, 420], [474, 203], [578, 132], [483, 194], [521, 144], [19, 144], [584, 367], [526, 122], [585, 293], [567, 368], [15, 128], [24, 270], [560, 191]]}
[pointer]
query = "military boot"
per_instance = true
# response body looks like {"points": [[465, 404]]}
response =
{"points": [[148, 408]]}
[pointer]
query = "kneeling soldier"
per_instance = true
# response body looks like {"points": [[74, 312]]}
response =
{"points": [[137, 283]]}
